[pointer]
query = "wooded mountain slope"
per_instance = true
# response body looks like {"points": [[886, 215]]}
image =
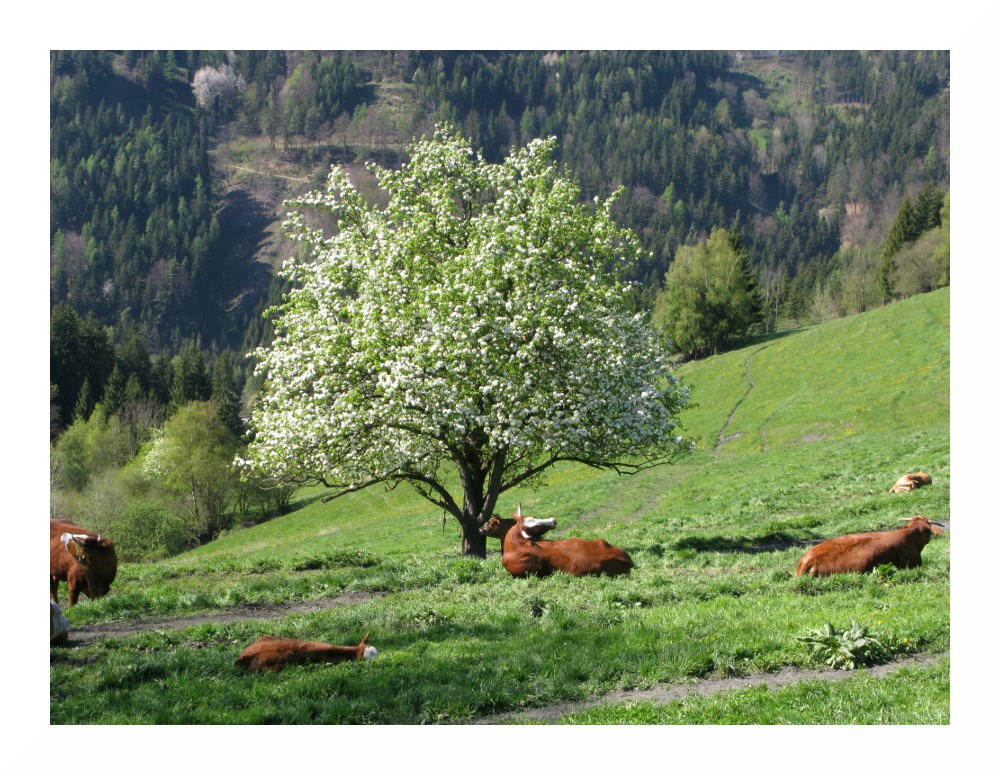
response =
{"points": [[165, 198]]}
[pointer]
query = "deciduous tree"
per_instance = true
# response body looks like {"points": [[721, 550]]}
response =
{"points": [[192, 460], [709, 295], [476, 325]]}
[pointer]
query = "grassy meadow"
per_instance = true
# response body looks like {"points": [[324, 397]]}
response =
{"points": [[816, 426]]}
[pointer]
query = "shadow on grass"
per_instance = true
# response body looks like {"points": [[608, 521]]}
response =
{"points": [[771, 542]]}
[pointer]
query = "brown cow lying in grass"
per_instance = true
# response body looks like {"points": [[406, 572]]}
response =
{"points": [[524, 554], [86, 561], [861, 552], [908, 482], [270, 653]]}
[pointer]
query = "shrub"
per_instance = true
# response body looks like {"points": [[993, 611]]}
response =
{"points": [[147, 531]]}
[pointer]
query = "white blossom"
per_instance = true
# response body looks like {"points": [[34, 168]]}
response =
{"points": [[483, 309]]}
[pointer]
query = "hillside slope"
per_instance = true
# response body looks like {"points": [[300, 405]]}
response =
{"points": [[848, 381], [886, 369], [715, 540]]}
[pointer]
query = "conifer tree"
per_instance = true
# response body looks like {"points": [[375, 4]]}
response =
{"points": [[85, 403], [226, 393], [191, 381], [114, 391]]}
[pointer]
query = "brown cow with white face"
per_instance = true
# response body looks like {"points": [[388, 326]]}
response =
{"points": [[525, 554], [86, 561], [908, 482], [270, 653], [862, 552]]}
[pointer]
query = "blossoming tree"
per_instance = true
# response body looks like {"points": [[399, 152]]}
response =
{"points": [[463, 339]]}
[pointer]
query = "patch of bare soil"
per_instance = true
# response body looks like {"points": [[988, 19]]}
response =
{"points": [[705, 687], [91, 632]]}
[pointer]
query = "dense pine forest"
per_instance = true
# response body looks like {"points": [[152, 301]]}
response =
{"points": [[820, 179]]}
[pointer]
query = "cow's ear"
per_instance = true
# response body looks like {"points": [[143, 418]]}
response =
{"points": [[74, 546], [936, 530]]}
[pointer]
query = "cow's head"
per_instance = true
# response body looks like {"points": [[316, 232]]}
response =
{"points": [[370, 652], [532, 527], [493, 528], [96, 556]]}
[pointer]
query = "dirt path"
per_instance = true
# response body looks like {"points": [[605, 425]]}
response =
{"points": [[705, 687], [269, 174], [91, 632], [723, 438]]}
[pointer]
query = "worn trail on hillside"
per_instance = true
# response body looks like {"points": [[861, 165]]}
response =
{"points": [[704, 688], [723, 438]]}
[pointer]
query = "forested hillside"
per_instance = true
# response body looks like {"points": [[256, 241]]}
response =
{"points": [[827, 171]]}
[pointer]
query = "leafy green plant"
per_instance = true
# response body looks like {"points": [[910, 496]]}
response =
{"points": [[884, 573], [847, 649]]}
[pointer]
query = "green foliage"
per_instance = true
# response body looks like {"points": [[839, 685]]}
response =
{"points": [[191, 380], [85, 403], [845, 650], [884, 572], [942, 254], [146, 531], [131, 184], [914, 219], [777, 146], [191, 462], [88, 447], [79, 352], [226, 394], [709, 298]]}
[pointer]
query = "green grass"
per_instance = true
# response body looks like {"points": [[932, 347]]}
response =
{"points": [[908, 696], [882, 371], [714, 539]]}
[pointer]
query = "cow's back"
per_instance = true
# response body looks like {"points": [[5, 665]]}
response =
{"points": [[585, 557], [271, 653], [863, 552], [576, 556]]}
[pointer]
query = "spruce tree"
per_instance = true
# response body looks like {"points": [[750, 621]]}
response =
{"points": [[191, 381], [226, 393], [114, 391], [85, 402]]}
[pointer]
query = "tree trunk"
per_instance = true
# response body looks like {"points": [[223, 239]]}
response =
{"points": [[473, 544], [472, 476]]}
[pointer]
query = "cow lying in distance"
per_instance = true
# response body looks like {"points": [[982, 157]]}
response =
{"points": [[270, 653], [525, 554], [58, 625], [84, 560], [908, 482], [861, 552]]}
